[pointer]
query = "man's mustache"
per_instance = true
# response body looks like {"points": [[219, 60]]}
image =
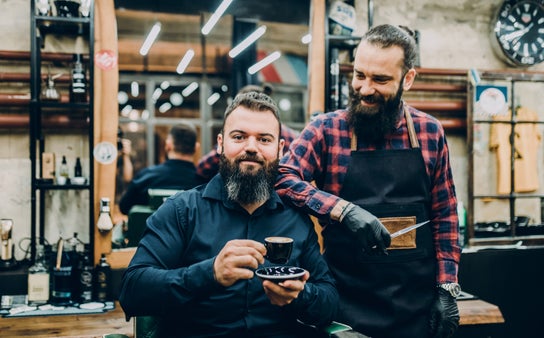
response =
{"points": [[247, 157], [369, 98]]}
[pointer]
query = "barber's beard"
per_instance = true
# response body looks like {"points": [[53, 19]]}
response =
{"points": [[247, 186], [372, 124]]}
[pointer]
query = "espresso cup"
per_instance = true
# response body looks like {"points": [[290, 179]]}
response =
{"points": [[278, 249]]}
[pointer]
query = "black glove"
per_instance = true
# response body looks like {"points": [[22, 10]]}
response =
{"points": [[444, 315], [369, 230]]}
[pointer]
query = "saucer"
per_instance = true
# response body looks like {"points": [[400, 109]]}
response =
{"points": [[279, 274]]}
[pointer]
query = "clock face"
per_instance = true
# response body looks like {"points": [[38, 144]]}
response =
{"points": [[519, 31]]}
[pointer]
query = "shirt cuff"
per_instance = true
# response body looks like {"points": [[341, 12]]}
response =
{"points": [[199, 277], [447, 271]]}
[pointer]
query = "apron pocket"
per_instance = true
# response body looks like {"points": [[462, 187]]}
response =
{"points": [[394, 224]]}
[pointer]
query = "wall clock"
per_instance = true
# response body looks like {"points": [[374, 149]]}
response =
{"points": [[518, 32]]}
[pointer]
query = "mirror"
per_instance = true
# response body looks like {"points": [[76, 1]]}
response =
{"points": [[152, 96]]}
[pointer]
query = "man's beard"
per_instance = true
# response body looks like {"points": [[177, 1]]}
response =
{"points": [[372, 124], [246, 186]]}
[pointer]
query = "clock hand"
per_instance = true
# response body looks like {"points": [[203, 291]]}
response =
{"points": [[518, 33]]}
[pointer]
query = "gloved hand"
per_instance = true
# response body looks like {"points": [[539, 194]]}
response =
{"points": [[369, 230], [444, 315]]}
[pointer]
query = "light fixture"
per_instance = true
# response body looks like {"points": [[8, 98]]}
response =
{"points": [[165, 107], [122, 97], [176, 99], [189, 89], [215, 17], [134, 89], [185, 61], [164, 85], [126, 110], [247, 41], [156, 94], [264, 62], [306, 39], [213, 98], [153, 33]]}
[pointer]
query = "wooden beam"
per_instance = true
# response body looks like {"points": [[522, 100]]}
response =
{"points": [[106, 85], [316, 59]]}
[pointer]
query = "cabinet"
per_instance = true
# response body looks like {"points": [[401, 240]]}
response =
{"points": [[505, 128], [76, 113]]}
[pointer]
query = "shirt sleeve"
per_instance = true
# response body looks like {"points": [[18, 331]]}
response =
{"points": [[301, 167], [444, 215], [154, 271], [208, 166], [317, 303]]}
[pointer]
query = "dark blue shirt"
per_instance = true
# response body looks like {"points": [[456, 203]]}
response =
{"points": [[171, 174], [171, 274]]}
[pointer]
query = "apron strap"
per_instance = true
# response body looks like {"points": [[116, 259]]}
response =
{"points": [[411, 132]]}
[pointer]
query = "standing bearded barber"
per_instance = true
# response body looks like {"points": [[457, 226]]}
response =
{"points": [[378, 167]]}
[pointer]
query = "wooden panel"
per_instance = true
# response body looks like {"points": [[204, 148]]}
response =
{"points": [[106, 84], [316, 58], [89, 325], [477, 311]]}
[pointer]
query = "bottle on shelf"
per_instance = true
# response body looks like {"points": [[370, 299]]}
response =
{"points": [[104, 222], [77, 168], [64, 174], [78, 84], [102, 283], [84, 273], [38, 279], [63, 169]]}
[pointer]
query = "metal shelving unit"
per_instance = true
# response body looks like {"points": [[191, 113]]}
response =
{"points": [[79, 115]]}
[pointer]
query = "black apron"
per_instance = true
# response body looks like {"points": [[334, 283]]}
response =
{"points": [[385, 296]]}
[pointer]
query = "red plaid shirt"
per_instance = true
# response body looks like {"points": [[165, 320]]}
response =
{"points": [[322, 152]]}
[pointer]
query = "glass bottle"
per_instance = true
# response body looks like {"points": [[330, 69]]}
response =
{"points": [[77, 168], [78, 85], [104, 222], [63, 169], [84, 279], [102, 283], [38, 279]]}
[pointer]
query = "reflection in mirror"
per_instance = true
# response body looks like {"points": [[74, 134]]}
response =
{"points": [[153, 97]]}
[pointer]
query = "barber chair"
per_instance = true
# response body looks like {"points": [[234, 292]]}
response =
{"points": [[138, 214], [149, 327]]}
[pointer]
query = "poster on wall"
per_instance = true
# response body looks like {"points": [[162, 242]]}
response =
{"points": [[491, 100]]}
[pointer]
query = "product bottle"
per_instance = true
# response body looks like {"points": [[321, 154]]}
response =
{"points": [[462, 215], [102, 274], [104, 222], [84, 279], [77, 168], [38, 279], [63, 169], [78, 85]]}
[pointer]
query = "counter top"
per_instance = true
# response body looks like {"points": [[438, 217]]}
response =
{"points": [[473, 312]]}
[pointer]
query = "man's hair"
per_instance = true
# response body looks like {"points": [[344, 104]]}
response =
{"points": [[385, 36], [254, 101], [265, 89], [184, 138]]}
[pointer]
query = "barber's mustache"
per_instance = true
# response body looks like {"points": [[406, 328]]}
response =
{"points": [[375, 98]]}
